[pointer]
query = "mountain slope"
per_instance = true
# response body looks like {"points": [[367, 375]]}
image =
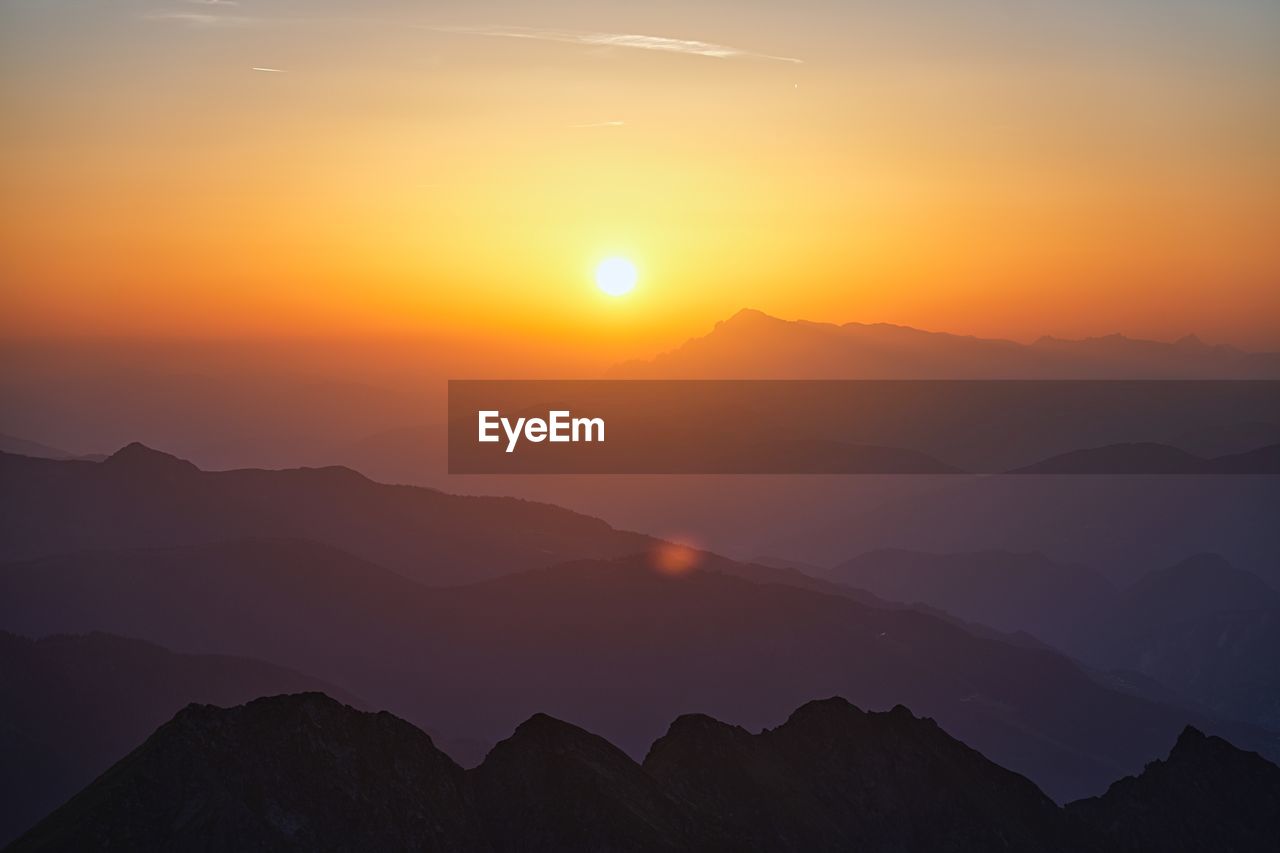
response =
{"points": [[1006, 590], [1207, 795], [835, 777], [294, 772], [71, 705], [552, 786], [1205, 630], [139, 497]]}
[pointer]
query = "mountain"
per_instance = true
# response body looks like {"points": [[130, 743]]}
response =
{"points": [[552, 786], [1205, 630], [72, 705], [1202, 627], [1154, 458], [753, 345], [22, 447], [619, 645], [1010, 591], [305, 772], [1207, 795], [833, 777], [816, 456], [1123, 527], [296, 772], [139, 497], [1226, 439]]}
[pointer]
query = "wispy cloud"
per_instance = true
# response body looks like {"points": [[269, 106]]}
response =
{"points": [[638, 42], [269, 70], [199, 19], [611, 123]]}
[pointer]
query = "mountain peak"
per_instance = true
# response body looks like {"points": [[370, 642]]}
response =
{"points": [[1191, 738], [825, 711], [139, 458], [749, 316], [1190, 342]]}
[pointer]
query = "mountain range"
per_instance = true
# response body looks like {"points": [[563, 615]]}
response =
{"points": [[754, 345], [139, 497], [306, 772], [619, 644], [1208, 631]]}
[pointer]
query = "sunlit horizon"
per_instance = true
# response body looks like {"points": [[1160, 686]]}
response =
{"points": [[276, 169]]}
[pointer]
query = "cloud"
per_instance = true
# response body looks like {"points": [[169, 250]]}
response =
{"points": [[638, 42], [199, 19], [611, 123], [269, 70]]}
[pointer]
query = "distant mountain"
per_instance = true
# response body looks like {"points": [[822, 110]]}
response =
{"points": [[1009, 591], [1226, 439], [1154, 458], [753, 345], [304, 772], [1205, 630], [1207, 795], [141, 497], [814, 456], [22, 447], [1123, 527], [1202, 627], [620, 645], [72, 705]]}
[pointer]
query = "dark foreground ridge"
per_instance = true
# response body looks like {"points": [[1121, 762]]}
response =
{"points": [[304, 772]]}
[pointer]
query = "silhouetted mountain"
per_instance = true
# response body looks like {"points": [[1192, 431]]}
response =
{"points": [[295, 772], [1008, 591], [1206, 631], [552, 786], [70, 706], [833, 777], [1152, 458], [140, 497], [1207, 795], [753, 345], [305, 772], [620, 645]]}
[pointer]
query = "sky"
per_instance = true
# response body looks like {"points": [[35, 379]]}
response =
{"points": [[209, 169]]}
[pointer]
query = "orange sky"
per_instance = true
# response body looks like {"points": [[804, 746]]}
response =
{"points": [[458, 169]]}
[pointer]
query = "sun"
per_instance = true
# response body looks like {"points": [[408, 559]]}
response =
{"points": [[616, 276]]}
